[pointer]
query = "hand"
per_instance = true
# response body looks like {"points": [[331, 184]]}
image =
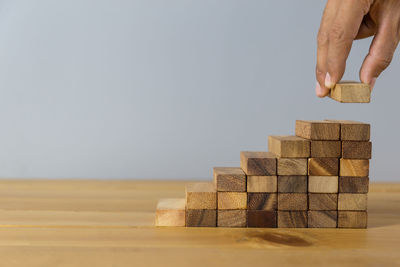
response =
{"points": [[346, 20]]}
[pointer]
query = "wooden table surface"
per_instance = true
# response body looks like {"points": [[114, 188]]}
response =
{"points": [[111, 223]]}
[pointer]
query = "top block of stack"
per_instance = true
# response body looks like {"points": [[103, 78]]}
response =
{"points": [[286, 146], [318, 130], [258, 163]]}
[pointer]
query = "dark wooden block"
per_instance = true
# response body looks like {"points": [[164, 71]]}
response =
{"points": [[292, 166], [318, 130], [350, 201], [292, 184], [354, 167], [292, 201], [326, 149], [352, 219], [353, 130], [292, 219], [322, 219], [356, 150], [229, 179], [232, 218], [322, 201], [258, 163], [287, 146], [323, 166], [201, 218], [261, 201], [261, 218], [353, 184]]}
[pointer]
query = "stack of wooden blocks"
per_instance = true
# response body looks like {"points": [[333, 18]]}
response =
{"points": [[317, 179]]}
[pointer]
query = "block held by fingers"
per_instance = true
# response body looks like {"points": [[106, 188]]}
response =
{"points": [[351, 92]]}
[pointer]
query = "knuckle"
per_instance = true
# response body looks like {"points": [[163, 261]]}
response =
{"points": [[383, 62], [365, 5], [337, 34]]}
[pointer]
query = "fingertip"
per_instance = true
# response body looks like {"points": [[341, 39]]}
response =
{"points": [[321, 91]]}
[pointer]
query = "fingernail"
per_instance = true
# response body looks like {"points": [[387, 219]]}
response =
{"points": [[372, 83], [328, 81]]}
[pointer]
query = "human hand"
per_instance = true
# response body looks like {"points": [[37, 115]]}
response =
{"points": [[346, 20]]}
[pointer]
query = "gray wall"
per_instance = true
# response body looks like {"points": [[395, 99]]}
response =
{"points": [[167, 89]]}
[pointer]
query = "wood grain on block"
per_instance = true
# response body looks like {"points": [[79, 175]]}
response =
{"points": [[353, 130], [326, 149], [354, 167], [201, 196], [353, 184], [323, 166], [232, 218], [231, 179], [232, 200], [356, 150], [322, 218], [352, 219], [350, 201], [267, 184], [292, 166], [351, 92], [322, 201], [292, 201], [201, 218], [287, 146], [258, 162], [318, 130], [323, 184], [292, 219], [170, 212], [261, 218], [262, 201], [292, 184]]}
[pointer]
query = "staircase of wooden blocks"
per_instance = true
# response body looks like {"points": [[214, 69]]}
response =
{"points": [[317, 179]]}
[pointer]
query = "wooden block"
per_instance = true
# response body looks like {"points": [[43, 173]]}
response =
{"points": [[351, 92], [353, 130], [267, 184], [348, 201], [262, 201], [232, 200], [356, 150], [326, 149], [323, 184], [292, 219], [258, 163], [352, 219], [322, 201], [322, 219], [170, 212], [292, 201], [201, 196], [354, 167], [232, 218], [291, 166], [231, 179], [201, 218], [292, 184], [323, 166], [261, 218], [353, 184], [318, 130], [286, 146]]}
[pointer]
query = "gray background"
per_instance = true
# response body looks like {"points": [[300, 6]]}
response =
{"points": [[167, 89]]}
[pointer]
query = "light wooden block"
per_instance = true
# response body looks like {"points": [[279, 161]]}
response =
{"points": [[201, 196], [353, 184], [326, 149], [318, 130], [353, 130], [292, 201], [352, 219], [267, 184], [322, 219], [351, 92], [323, 166], [261, 218], [292, 166], [292, 219], [286, 146], [354, 167], [170, 212], [292, 184], [322, 201], [356, 150], [232, 200], [349, 201], [232, 218], [201, 218], [323, 184], [262, 201], [258, 163], [230, 179]]}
